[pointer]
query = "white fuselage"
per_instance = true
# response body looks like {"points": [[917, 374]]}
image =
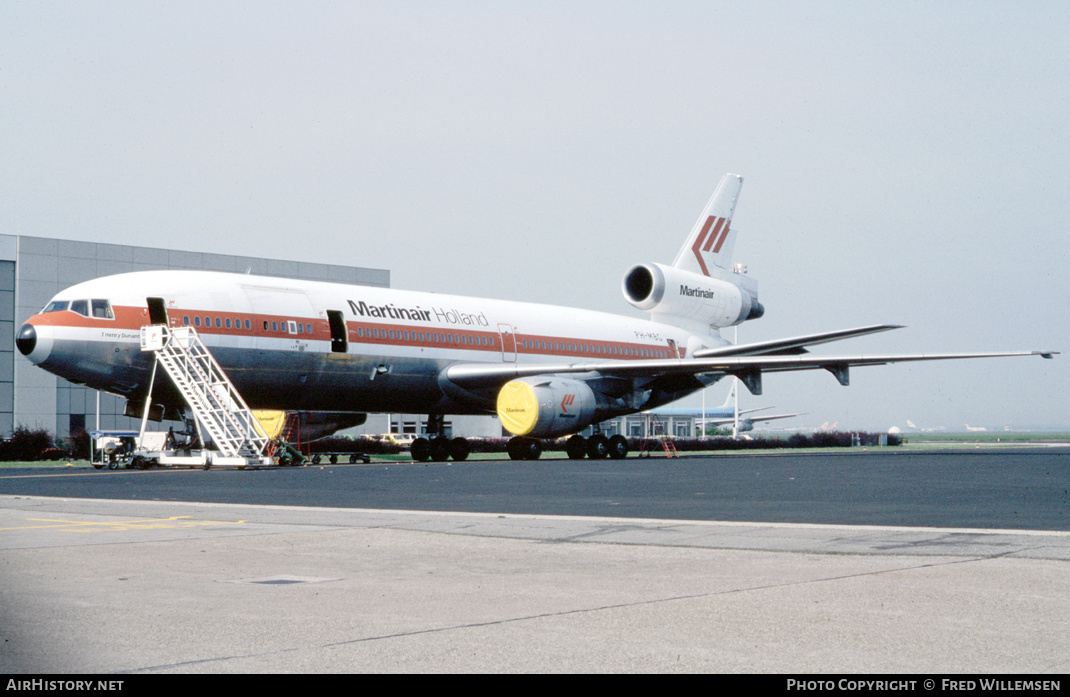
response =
{"points": [[384, 351]]}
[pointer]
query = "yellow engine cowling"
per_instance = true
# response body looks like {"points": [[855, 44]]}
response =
{"points": [[546, 408]]}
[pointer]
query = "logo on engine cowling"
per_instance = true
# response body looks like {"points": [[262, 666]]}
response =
{"points": [[567, 401], [696, 292]]}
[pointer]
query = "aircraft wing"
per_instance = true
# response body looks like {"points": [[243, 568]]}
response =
{"points": [[794, 345], [723, 421], [743, 412], [748, 369]]}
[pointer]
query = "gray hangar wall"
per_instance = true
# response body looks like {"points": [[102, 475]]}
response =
{"points": [[33, 269]]}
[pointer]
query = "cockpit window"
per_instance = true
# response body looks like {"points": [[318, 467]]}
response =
{"points": [[97, 309], [102, 309]]}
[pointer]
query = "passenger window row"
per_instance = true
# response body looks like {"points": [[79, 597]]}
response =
{"points": [[432, 337], [604, 349], [284, 326]]}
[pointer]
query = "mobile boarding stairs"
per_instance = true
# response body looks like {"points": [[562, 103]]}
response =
{"points": [[232, 429]]}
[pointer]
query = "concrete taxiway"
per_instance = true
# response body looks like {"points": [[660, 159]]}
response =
{"points": [[164, 586]]}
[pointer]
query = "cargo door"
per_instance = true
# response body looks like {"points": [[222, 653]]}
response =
{"points": [[282, 316]]}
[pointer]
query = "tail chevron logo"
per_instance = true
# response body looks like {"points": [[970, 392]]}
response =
{"points": [[713, 240]]}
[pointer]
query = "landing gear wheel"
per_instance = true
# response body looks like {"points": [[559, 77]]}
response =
{"points": [[515, 448], [532, 449], [459, 449], [597, 447], [576, 447], [618, 447], [440, 449], [524, 448], [420, 449]]}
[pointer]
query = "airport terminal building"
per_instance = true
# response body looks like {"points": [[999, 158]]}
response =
{"points": [[33, 269]]}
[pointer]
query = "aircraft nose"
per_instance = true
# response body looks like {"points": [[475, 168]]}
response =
{"points": [[26, 339], [34, 342]]}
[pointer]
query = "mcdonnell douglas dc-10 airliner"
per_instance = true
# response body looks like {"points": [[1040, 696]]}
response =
{"points": [[546, 371]]}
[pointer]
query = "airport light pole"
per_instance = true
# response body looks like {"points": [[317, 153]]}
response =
{"points": [[735, 393]]}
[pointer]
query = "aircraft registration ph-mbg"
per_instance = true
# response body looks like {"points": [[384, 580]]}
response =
{"points": [[545, 371]]}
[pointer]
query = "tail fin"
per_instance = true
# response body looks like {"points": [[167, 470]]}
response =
{"points": [[708, 249], [729, 401]]}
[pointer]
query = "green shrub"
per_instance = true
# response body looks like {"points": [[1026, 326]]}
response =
{"points": [[26, 444]]}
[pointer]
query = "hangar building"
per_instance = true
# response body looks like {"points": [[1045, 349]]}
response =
{"points": [[33, 269]]}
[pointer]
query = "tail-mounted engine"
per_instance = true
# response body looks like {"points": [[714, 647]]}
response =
{"points": [[546, 407], [677, 297]]}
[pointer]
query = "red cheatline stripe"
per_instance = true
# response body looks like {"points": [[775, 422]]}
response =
{"points": [[724, 234], [713, 235], [698, 245], [132, 318]]}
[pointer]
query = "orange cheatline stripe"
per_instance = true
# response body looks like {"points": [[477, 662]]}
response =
{"points": [[132, 318], [724, 234], [696, 248], [713, 235]]}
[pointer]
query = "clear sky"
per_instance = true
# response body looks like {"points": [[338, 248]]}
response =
{"points": [[904, 162]]}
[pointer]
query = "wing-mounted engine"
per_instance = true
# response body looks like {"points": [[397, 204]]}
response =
{"points": [[691, 300], [546, 407]]}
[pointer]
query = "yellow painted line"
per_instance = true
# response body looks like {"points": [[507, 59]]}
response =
{"points": [[124, 525]]}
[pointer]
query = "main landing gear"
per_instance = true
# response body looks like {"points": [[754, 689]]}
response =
{"points": [[437, 447], [577, 447]]}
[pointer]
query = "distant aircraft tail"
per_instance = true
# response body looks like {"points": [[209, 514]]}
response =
{"points": [[729, 402], [708, 249]]}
